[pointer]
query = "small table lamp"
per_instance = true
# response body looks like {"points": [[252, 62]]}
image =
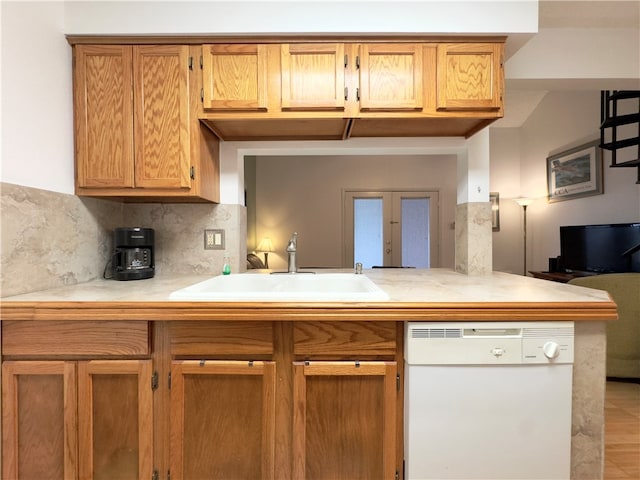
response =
{"points": [[265, 246]]}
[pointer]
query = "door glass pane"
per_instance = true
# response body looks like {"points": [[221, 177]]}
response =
{"points": [[415, 232], [367, 236]]}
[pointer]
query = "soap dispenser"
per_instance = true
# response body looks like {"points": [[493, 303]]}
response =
{"points": [[226, 264]]}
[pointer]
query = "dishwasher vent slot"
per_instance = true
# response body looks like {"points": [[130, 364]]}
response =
{"points": [[547, 332], [436, 333]]}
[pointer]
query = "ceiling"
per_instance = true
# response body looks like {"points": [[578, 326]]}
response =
{"points": [[520, 102]]}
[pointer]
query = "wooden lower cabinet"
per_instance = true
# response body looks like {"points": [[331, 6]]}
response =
{"points": [[77, 419], [203, 399], [115, 419], [344, 420], [39, 421], [222, 419]]}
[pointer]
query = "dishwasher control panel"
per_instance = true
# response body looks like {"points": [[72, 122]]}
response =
{"points": [[488, 343]]}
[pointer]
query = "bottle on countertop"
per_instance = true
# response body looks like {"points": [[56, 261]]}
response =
{"points": [[226, 264]]}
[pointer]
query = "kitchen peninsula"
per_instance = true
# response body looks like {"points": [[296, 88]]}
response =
{"points": [[259, 380]]}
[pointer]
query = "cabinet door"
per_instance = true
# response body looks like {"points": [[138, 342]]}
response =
{"points": [[234, 77], [390, 77], [115, 419], [313, 76], [161, 79], [39, 429], [222, 420], [103, 116], [470, 76], [344, 420]]}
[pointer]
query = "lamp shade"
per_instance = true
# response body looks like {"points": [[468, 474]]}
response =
{"points": [[265, 245], [524, 201]]}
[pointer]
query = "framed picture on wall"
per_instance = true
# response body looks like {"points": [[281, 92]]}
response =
{"points": [[575, 173], [494, 198]]}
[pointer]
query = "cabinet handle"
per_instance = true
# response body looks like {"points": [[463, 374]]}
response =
{"points": [[346, 93], [202, 95], [346, 61], [358, 62], [192, 173], [358, 94], [190, 63]]}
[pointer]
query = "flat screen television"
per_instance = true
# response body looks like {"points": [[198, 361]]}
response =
{"points": [[611, 248]]}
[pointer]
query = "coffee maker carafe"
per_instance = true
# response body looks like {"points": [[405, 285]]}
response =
{"points": [[133, 253]]}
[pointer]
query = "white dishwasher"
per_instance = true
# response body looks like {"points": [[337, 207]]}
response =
{"points": [[488, 400]]}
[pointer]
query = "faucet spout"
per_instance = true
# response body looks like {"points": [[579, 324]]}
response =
{"points": [[292, 249]]}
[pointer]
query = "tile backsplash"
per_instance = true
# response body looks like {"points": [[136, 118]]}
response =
{"points": [[50, 239]]}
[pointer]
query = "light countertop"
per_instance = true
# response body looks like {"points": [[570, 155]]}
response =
{"points": [[402, 286]]}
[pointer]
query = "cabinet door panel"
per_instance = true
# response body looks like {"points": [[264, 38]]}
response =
{"points": [[391, 77], [234, 77], [469, 76], [161, 79], [344, 420], [313, 76], [115, 419], [104, 116], [39, 429], [222, 420]]}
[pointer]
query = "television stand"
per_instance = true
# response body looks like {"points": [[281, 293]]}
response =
{"points": [[562, 277]]}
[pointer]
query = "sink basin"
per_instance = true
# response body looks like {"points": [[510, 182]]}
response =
{"points": [[322, 287]]}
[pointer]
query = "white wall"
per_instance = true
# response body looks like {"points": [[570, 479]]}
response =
{"points": [[505, 180], [561, 121], [303, 16], [596, 58], [304, 194], [37, 115]]}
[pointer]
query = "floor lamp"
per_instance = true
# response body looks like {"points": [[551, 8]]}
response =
{"points": [[524, 202]]}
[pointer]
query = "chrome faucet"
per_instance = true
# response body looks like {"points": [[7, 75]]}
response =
{"points": [[292, 248]]}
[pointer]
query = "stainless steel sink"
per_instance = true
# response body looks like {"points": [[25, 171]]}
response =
{"points": [[322, 287]]}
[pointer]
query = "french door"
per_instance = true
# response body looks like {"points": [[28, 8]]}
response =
{"points": [[390, 228]]}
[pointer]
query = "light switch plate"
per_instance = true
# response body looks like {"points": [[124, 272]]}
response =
{"points": [[214, 239]]}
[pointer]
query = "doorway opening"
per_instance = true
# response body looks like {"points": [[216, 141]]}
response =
{"points": [[390, 228]]}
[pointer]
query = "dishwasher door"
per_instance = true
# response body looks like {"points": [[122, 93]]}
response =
{"points": [[487, 402]]}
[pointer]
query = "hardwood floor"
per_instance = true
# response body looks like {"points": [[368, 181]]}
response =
{"points": [[622, 431]]}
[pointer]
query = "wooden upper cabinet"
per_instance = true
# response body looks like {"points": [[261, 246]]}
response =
{"points": [[132, 116], [313, 76], [137, 133], [104, 115], [161, 98], [391, 77], [470, 76], [234, 77]]}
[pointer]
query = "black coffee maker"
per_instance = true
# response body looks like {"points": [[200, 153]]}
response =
{"points": [[133, 253]]}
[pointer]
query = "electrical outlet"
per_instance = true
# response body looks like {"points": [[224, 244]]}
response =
{"points": [[213, 239]]}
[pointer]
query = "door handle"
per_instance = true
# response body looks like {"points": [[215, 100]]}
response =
{"points": [[388, 250]]}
